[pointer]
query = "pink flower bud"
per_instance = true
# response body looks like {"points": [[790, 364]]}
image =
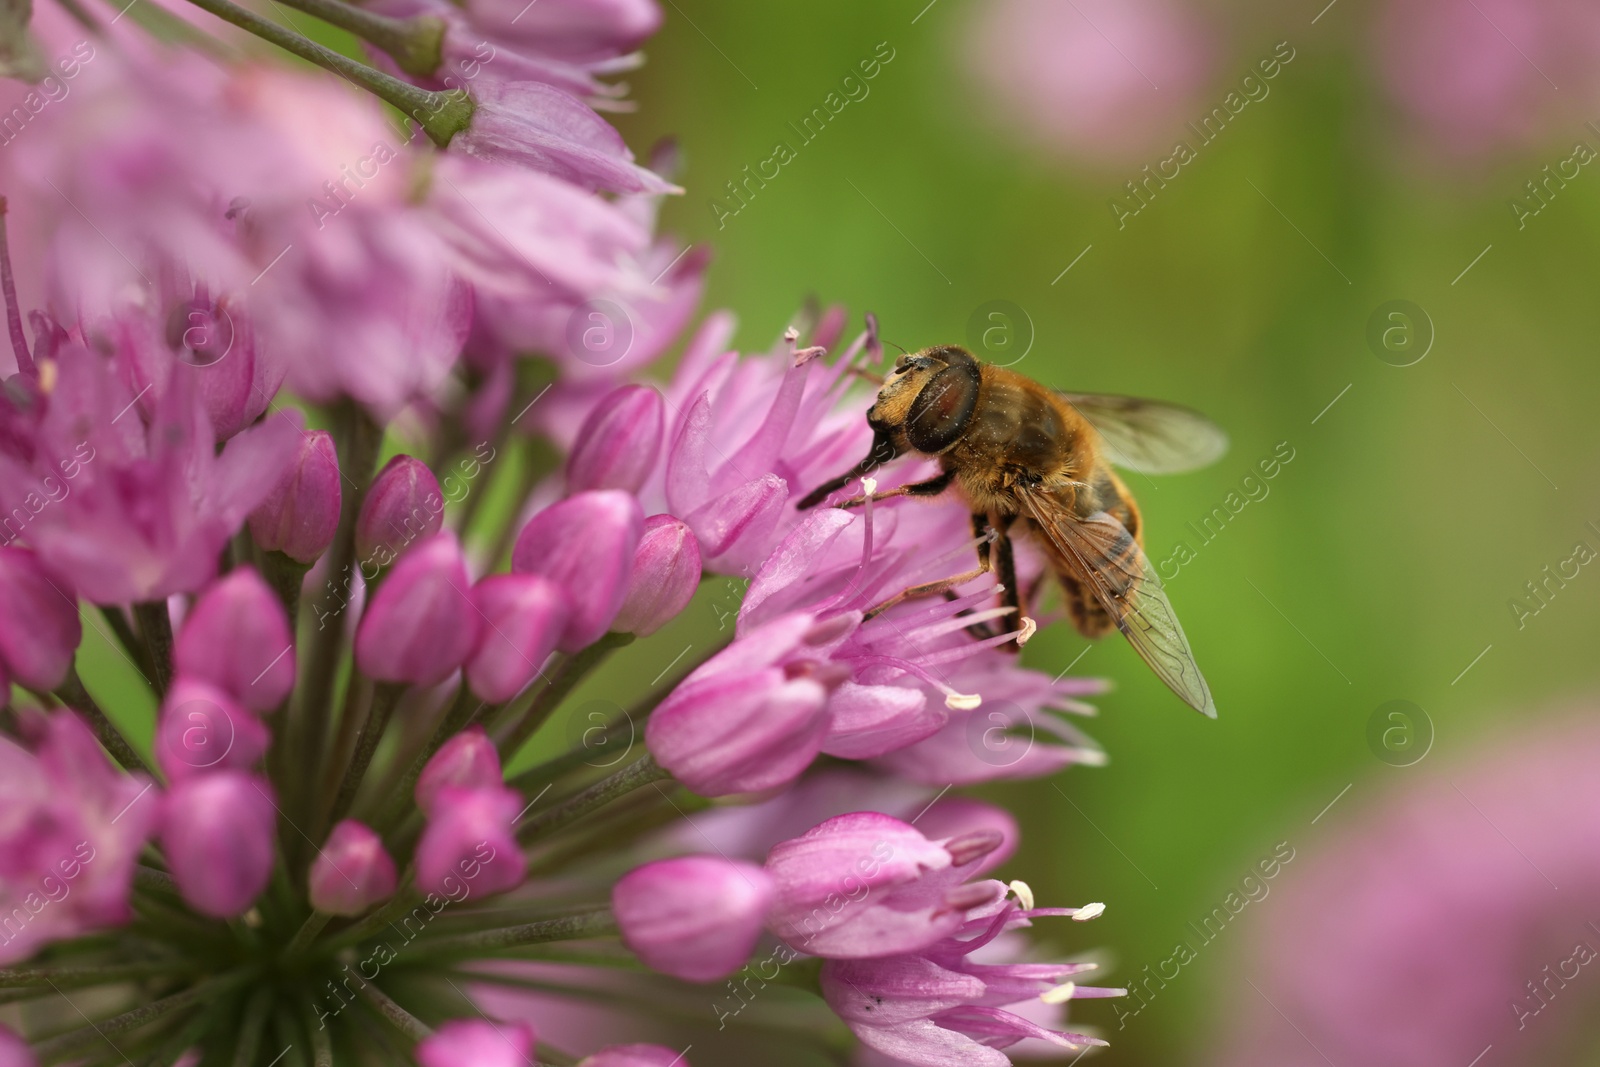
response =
{"points": [[237, 638], [478, 1043], [666, 572], [695, 917], [217, 832], [523, 616], [14, 1051], [202, 729], [635, 1056], [352, 872], [404, 505], [620, 442], [39, 627], [300, 516], [420, 624], [586, 545], [466, 761], [470, 845]]}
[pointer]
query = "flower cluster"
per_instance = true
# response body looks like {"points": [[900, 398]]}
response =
{"points": [[334, 433]]}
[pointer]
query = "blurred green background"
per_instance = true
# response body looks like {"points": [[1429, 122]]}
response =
{"points": [[1380, 564]]}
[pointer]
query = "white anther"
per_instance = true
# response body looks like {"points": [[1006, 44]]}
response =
{"points": [[1089, 911], [869, 486], [1029, 628], [1024, 894], [962, 701], [1060, 994]]}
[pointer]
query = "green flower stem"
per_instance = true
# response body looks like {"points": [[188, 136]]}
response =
{"points": [[535, 777], [619, 828], [286, 575], [635, 775], [385, 695], [321, 1047], [398, 1017], [85, 977], [441, 115], [184, 1038], [62, 1047], [597, 923], [403, 901], [154, 881], [416, 44], [127, 637], [75, 696], [286, 1034], [358, 438], [307, 934], [252, 1027], [563, 680], [155, 628]]}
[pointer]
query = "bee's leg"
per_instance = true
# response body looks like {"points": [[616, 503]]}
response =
{"points": [[932, 487], [980, 529], [883, 450], [980, 524], [1007, 566]]}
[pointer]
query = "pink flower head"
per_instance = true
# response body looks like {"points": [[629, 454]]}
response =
{"points": [[217, 831], [523, 618], [421, 624], [694, 917], [1438, 915], [299, 517], [471, 840], [867, 884], [1110, 82], [586, 545], [666, 573], [39, 627], [753, 716], [152, 500], [237, 637], [404, 505], [478, 1043], [635, 1056], [352, 871], [942, 1007], [202, 729], [71, 829], [468, 760]]}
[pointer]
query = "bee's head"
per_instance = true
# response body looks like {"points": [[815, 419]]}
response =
{"points": [[898, 398]]}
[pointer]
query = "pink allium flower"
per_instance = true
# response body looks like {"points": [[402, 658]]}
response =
{"points": [[523, 619], [478, 1043], [300, 516], [14, 1051], [586, 545], [152, 502], [1442, 914], [71, 829], [1488, 75], [472, 829], [217, 831], [620, 442], [352, 872], [237, 637], [942, 1007], [404, 505], [666, 573], [1108, 81], [467, 761], [39, 627], [866, 884], [421, 623], [202, 729], [693, 917]]}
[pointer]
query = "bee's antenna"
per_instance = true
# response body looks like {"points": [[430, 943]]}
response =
{"points": [[903, 352]]}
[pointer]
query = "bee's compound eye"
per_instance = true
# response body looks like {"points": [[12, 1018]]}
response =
{"points": [[902, 364]]}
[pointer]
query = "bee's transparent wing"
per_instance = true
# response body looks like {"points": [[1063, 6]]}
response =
{"points": [[1151, 436], [1099, 552]]}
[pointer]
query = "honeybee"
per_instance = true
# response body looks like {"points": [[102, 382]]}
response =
{"points": [[1035, 462]]}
